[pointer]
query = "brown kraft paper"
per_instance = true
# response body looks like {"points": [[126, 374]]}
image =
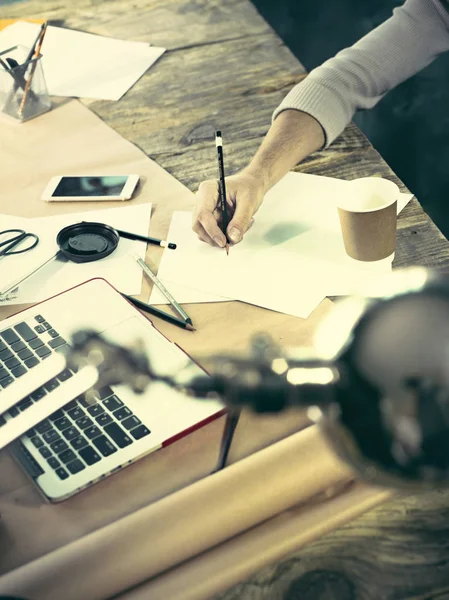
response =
{"points": [[184, 524]]}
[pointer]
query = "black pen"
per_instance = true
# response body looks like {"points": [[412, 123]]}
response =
{"points": [[143, 238], [222, 188], [160, 313]]}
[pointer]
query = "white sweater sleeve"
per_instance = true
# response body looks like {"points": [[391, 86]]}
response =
{"points": [[359, 76]]}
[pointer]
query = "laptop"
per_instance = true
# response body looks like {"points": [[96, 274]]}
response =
{"points": [[83, 442]]}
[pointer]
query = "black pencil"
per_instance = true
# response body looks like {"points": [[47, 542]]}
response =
{"points": [[222, 188], [143, 238], [159, 313]]}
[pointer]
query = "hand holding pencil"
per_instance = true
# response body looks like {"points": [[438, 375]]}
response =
{"points": [[244, 192]]}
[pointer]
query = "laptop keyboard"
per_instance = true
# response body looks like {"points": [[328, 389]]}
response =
{"points": [[83, 432]]}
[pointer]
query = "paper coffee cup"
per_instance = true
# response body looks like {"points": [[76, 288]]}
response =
{"points": [[368, 218]]}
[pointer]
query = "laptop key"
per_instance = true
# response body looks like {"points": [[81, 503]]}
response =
{"points": [[24, 354], [67, 456], [43, 351], [59, 446], [7, 381], [18, 347], [89, 455], [75, 466], [32, 362], [25, 331], [79, 442], [140, 432], [70, 433], [51, 436], [64, 375], [84, 422], [39, 329], [104, 445], [38, 393], [24, 404], [10, 336], [37, 442], [52, 384], [56, 342], [36, 343], [5, 354], [3, 346], [70, 405], [4, 372], [61, 473], [95, 410], [39, 319], [18, 371], [13, 411], [92, 432], [120, 437], [131, 422], [53, 462], [122, 413], [12, 362], [43, 426], [58, 414], [62, 423], [2, 420], [103, 419], [105, 392], [45, 452], [113, 403], [76, 413], [53, 333]]}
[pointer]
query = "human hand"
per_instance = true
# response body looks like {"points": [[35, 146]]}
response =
{"points": [[244, 193]]}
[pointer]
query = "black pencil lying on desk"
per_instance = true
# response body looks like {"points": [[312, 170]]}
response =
{"points": [[222, 187]]}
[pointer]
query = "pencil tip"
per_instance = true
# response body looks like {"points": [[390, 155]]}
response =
{"points": [[190, 327], [227, 249]]}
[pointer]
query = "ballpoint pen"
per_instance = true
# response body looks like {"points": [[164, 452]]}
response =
{"points": [[146, 269]]}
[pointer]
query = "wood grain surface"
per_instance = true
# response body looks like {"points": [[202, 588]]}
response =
{"points": [[225, 68]]}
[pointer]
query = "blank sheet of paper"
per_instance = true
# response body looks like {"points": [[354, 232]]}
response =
{"points": [[118, 268], [291, 257], [82, 64]]}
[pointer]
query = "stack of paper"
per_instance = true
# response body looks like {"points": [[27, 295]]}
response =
{"points": [[118, 268], [82, 64], [291, 258]]}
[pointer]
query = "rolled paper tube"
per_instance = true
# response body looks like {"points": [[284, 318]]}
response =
{"points": [[237, 559], [180, 526]]}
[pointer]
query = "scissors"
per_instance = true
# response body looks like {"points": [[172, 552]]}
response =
{"points": [[14, 238]]}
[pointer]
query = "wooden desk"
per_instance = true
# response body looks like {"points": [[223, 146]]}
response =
{"points": [[225, 68]]}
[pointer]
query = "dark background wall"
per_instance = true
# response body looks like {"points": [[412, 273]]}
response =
{"points": [[410, 125]]}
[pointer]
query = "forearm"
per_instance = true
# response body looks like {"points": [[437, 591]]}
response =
{"points": [[291, 138], [359, 76]]}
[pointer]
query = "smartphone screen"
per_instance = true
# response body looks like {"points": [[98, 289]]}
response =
{"points": [[109, 185]]}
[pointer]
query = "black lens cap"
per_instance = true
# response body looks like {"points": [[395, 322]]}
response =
{"points": [[86, 242]]}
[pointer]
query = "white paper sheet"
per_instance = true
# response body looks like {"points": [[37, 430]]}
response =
{"points": [[82, 64], [118, 268], [291, 257]]}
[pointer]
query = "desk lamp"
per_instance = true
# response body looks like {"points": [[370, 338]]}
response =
{"points": [[376, 380]]}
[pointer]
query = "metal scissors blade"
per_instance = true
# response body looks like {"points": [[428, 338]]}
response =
{"points": [[12, 241]]}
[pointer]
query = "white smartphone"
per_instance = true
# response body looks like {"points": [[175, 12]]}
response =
{"points": [[90, 187]]}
